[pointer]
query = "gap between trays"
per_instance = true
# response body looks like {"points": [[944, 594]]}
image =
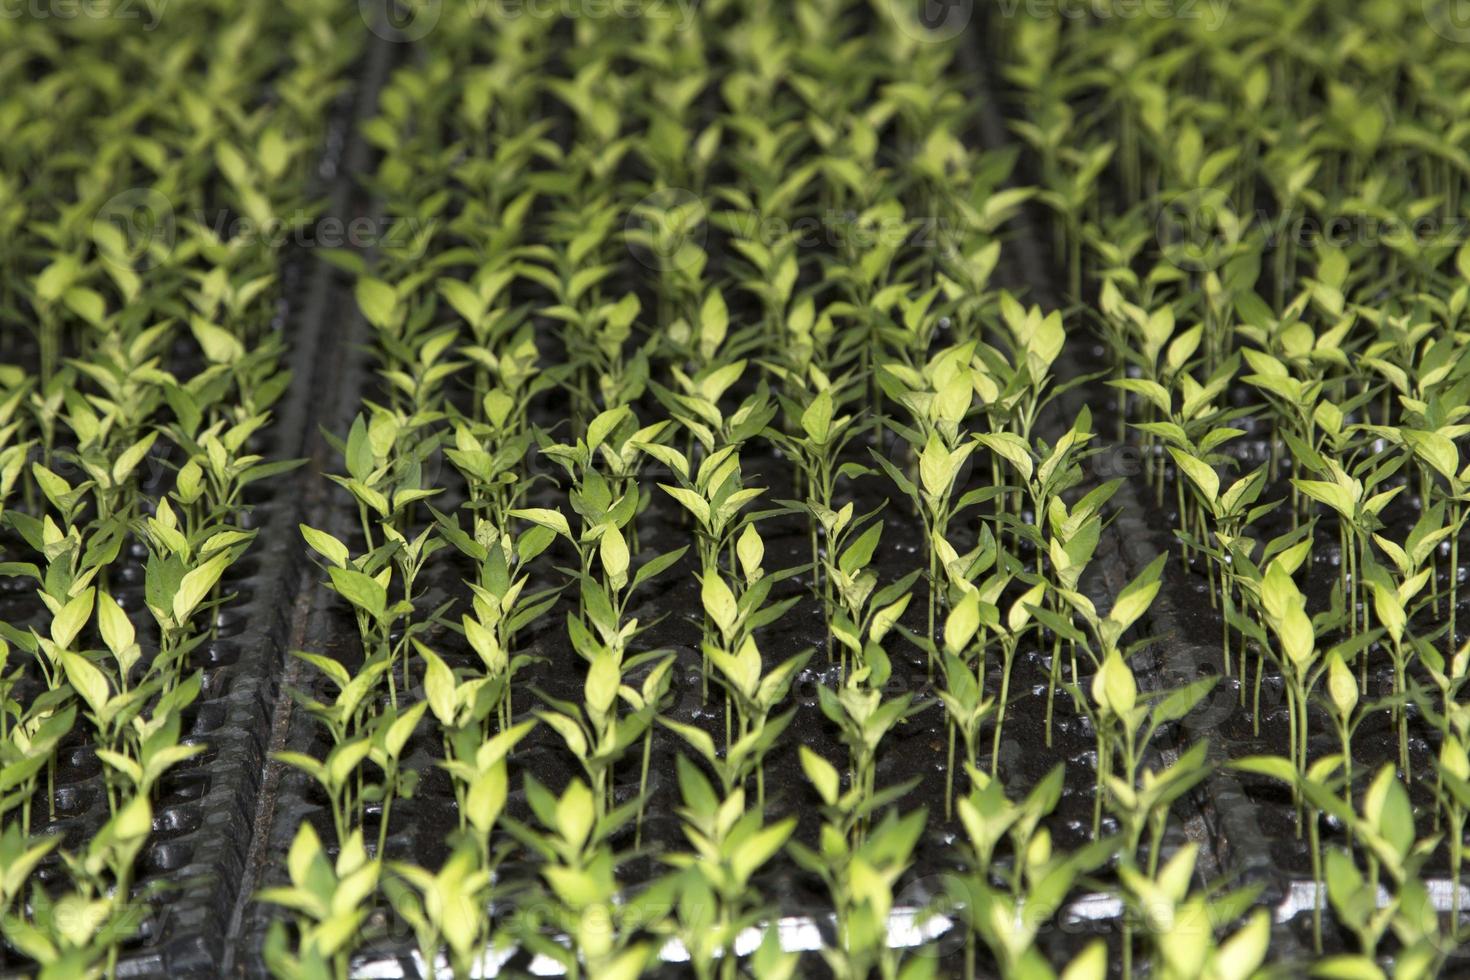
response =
{"points": [[329, 391]]}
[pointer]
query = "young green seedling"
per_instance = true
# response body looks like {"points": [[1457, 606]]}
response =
{"points": [[328, 900], [578, 868], [711, 890]]}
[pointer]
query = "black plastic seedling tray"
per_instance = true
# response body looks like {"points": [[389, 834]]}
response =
{"points": [[422, 824], [1245, 824], [225, 821], [194, 865]]}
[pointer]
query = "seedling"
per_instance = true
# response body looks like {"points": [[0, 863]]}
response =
{"points": [[1181, 926], [710, 890], [327, 898], [447, 908], [863, 718], [816, 450], [861, 880], [579, 872]]}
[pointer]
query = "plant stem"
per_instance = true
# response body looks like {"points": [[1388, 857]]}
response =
{"points": [[1051, 683], [1256, 694], [642, 788], [1008, 653], [1455, 572], [949, 776], [1316, 846], [383, 820]]}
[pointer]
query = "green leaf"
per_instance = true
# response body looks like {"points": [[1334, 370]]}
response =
{"points": [[1342, 687], [307, 764], [938, 466], [603, 680], [87, 681], [486, 797], [553, 520], [1334, 495], [1436, 450], [1347, 967], [719, 601], [816, 421], [1271, 766], [219, 345], [1113, 687], [1298, 641], [378, 302], [1176, 704], [904, 484], [569, 731], [1240, 956], [885, 618], [655, 566], [344, 759], [822, 774], [962, 623], [402, 729], [1138, 595], [756, 850], [628, 965], [953, 400], [750, 550], [613, 551], [858, 554], [1389, 609], [1012, 448], [714, 323], [128, 459], [1090, 964], [335, 671], [466, 302], [1154, 392], [326, 545], [1202, 474], [73, 616], [57, 278], [363, 591], [197, 584], [115, 626], [692, 502], [698, 738], [1351, 896], [574, 813], [440, 688], [1388, 811], [605, 424], [134, 821]]}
